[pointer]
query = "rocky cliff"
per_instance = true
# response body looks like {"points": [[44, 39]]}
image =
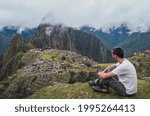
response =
{"points": [[52, 37], [66, 38], [44, 68], [142, 63], [7, 33], [10, 60]]}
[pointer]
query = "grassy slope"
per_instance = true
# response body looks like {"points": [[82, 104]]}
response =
{"points": [[83, 91]]}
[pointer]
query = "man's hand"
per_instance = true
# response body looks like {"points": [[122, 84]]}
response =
{"points": [[105, 75], [101, 75]]}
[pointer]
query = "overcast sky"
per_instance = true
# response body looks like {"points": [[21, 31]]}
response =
{"points": [[97, 13]]}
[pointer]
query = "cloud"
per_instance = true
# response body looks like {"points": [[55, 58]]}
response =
{"points": [[98, 13]]}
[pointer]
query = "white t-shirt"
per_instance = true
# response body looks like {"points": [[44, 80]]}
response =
{"points": [[127, 76]]}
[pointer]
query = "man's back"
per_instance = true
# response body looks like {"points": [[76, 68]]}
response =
{"points": [[127, 76]]}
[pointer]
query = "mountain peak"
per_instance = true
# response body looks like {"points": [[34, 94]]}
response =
{"points": [[49, 18]]}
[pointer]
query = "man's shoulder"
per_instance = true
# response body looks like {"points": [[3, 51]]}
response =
{"points": [[125, 64], [128, 64], [126, 61]]}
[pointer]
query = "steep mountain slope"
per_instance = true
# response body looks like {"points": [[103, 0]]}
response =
{"points": [[112, 37], [7, 33], [4, 41], [10, 61], [66, 38], [29, 66], [136, 42], [43, 68], [53, 37]]}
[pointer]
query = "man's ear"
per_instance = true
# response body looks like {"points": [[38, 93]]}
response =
{"points": [[113, 55]]}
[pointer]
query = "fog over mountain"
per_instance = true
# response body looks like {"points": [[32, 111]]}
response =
{"points": [[97, 13]]}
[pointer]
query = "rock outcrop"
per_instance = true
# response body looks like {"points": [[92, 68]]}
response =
{"points": [[142, 63], [66, 38], [47, 68], [11, 57], [52, 37]]}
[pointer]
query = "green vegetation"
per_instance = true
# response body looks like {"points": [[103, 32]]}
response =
{"points": [[142, 63], [84, 91], [136, 42], [83, 70], [50, 73], [140, 58], [29, 57], [12, 65], [4, 41], [104, 65], [147, 51], [62, 74], [53, 56], [47, 57]]}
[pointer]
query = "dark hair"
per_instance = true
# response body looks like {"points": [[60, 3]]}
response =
{"points": [[118, 51]]}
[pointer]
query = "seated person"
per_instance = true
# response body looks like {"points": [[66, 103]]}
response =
{"points": [[121, 76]]}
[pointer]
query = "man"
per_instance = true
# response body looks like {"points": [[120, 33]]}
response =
{"points": [[121, 76]]}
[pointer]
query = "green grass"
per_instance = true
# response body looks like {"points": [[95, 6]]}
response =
{"points": [[53, 56], [147, 51], [84, 91], [142, 63], [47, 57], [83, 70], [103, 66]]}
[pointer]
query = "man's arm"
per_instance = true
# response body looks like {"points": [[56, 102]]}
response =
{"points": [[106, 75], [108, 67]]}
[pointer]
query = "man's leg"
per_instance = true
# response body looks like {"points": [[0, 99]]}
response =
{"points": [[98, 80], [113, 82], [116, 85]]}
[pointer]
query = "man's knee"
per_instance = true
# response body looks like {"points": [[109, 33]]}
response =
{"points": [[116, 85], [122, 92], [111, 68]]}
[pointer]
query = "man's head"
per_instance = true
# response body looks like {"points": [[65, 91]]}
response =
{"points": [[117, 52]]}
